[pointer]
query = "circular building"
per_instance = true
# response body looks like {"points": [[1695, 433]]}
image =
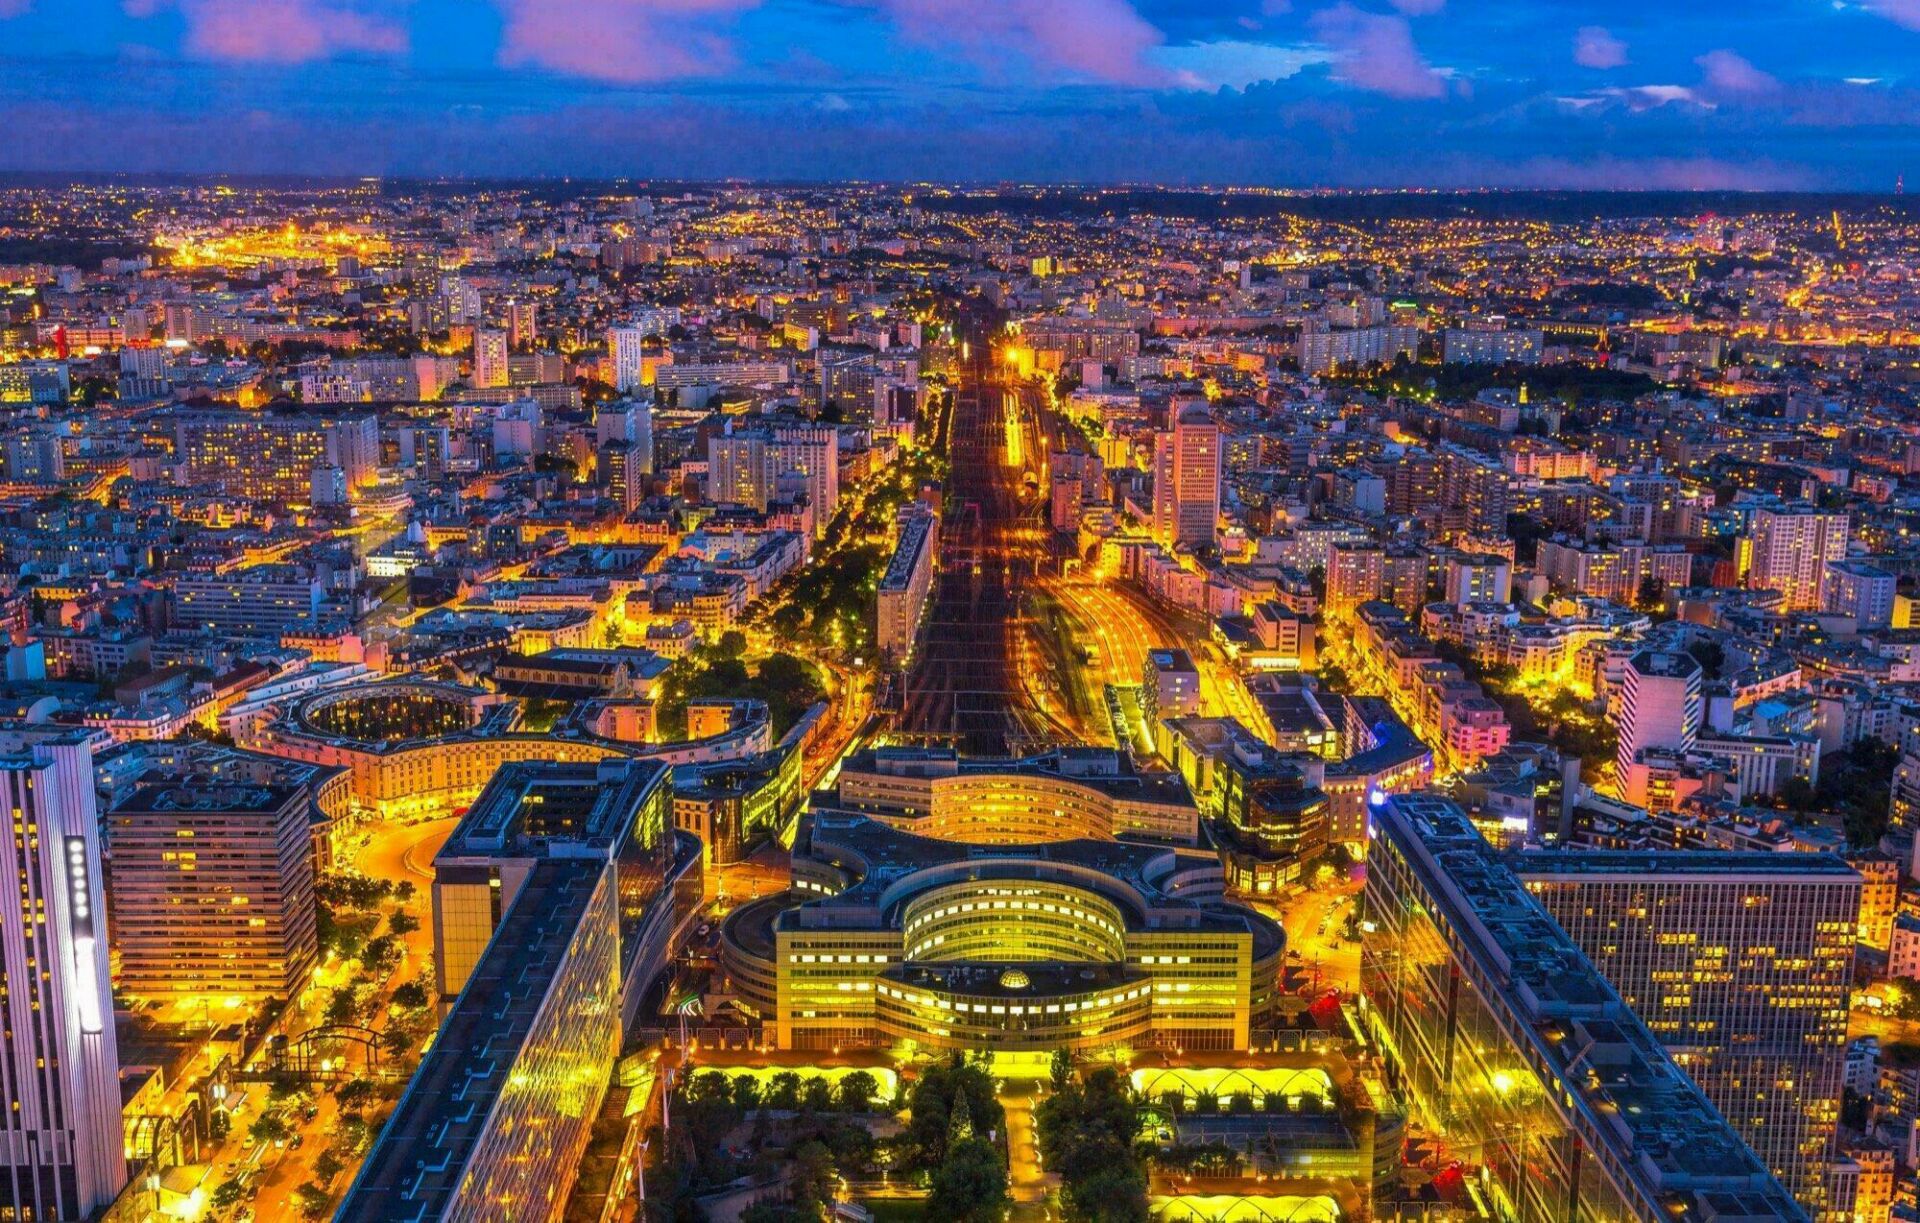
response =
{"points": [[888, 937]]}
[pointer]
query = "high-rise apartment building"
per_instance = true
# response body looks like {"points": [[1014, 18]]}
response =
{"points": [[62, 1152], [490, 358], [1504, 1042], [625, 346], [754, 464], [523, 323], [1186, 481], [1741, 964], [1659, 707], [1861, 590], [212, 889], [272, 455], [1789, 549]]}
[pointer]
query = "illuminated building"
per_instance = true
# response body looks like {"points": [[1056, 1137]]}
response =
{"points": [[490, 358], [61, 1146], [212, 889], [731, 804], [626, 349], [1068, 793], [1071, 944], [495, 1120], [415, 748], [271, 456], [902, 599], [1169, 685], [1505, 1043], [1861, 590], [1267, 812], [1789, 550], [1741, 964], [265, 600], [615, 812], [1659, 708], [1186, 481]]}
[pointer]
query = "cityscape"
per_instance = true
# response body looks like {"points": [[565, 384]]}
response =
{"points": [[891, 611]]}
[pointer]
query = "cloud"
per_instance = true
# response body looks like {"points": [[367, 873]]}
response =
{"points": [[1104, 40], [625, 41], [1595, 47], [1728, 72], [1236, 64], [1900, 12], [1419, 8], [13, 8], [279, 31], [1376, 53]]}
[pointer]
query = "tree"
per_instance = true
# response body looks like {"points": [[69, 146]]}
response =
{"points": [[402, 923], [812, 1175], [1111, 1189], [746, 1093], [817, 1095], [731, 644], [312, 1201], [343, 1007], [857, 1091], [410, 995], [327, 1166], [970, 1185], [227, 1194], [783, 1091], [933, 1097], [1060, 1068], [355, 1094], [269, 1127], [1652, 595]]}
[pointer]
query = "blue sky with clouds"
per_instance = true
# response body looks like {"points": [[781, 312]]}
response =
{"points": [[1446, 93]]}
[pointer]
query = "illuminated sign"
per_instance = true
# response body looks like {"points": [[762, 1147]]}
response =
{"points": [[86, 975]]}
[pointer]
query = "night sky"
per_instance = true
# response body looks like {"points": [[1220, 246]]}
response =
{"points": [[1441, 93]]}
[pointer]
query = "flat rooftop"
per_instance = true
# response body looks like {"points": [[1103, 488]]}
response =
{"points": [[420, 1159]]}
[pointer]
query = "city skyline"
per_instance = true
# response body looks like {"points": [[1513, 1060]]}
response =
{"points": [[1408, 93]]}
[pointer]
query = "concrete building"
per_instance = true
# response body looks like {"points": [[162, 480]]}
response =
{"points": [[1790, 549], [502, 1107], [490, 353], [1502, 1040], [212, 889], [1861, 590], [62, 1153], [1186, 481], [1659, 707], [1741, 964], [1033, 947], [902, 599]]}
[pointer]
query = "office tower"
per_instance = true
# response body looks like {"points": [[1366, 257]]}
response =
{"points": [[1861, 590], [1789, 550], [625, 346], [523, 323], [1505, 1043], [212, 889], [1186, 481], [490, 358], [1741, 964], [61, 1148], [1659, 707], [503, 1104], [271, 455], [616, 812]]}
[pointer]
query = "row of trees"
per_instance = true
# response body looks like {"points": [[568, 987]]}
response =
{"points": [[1086, 1133]]}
